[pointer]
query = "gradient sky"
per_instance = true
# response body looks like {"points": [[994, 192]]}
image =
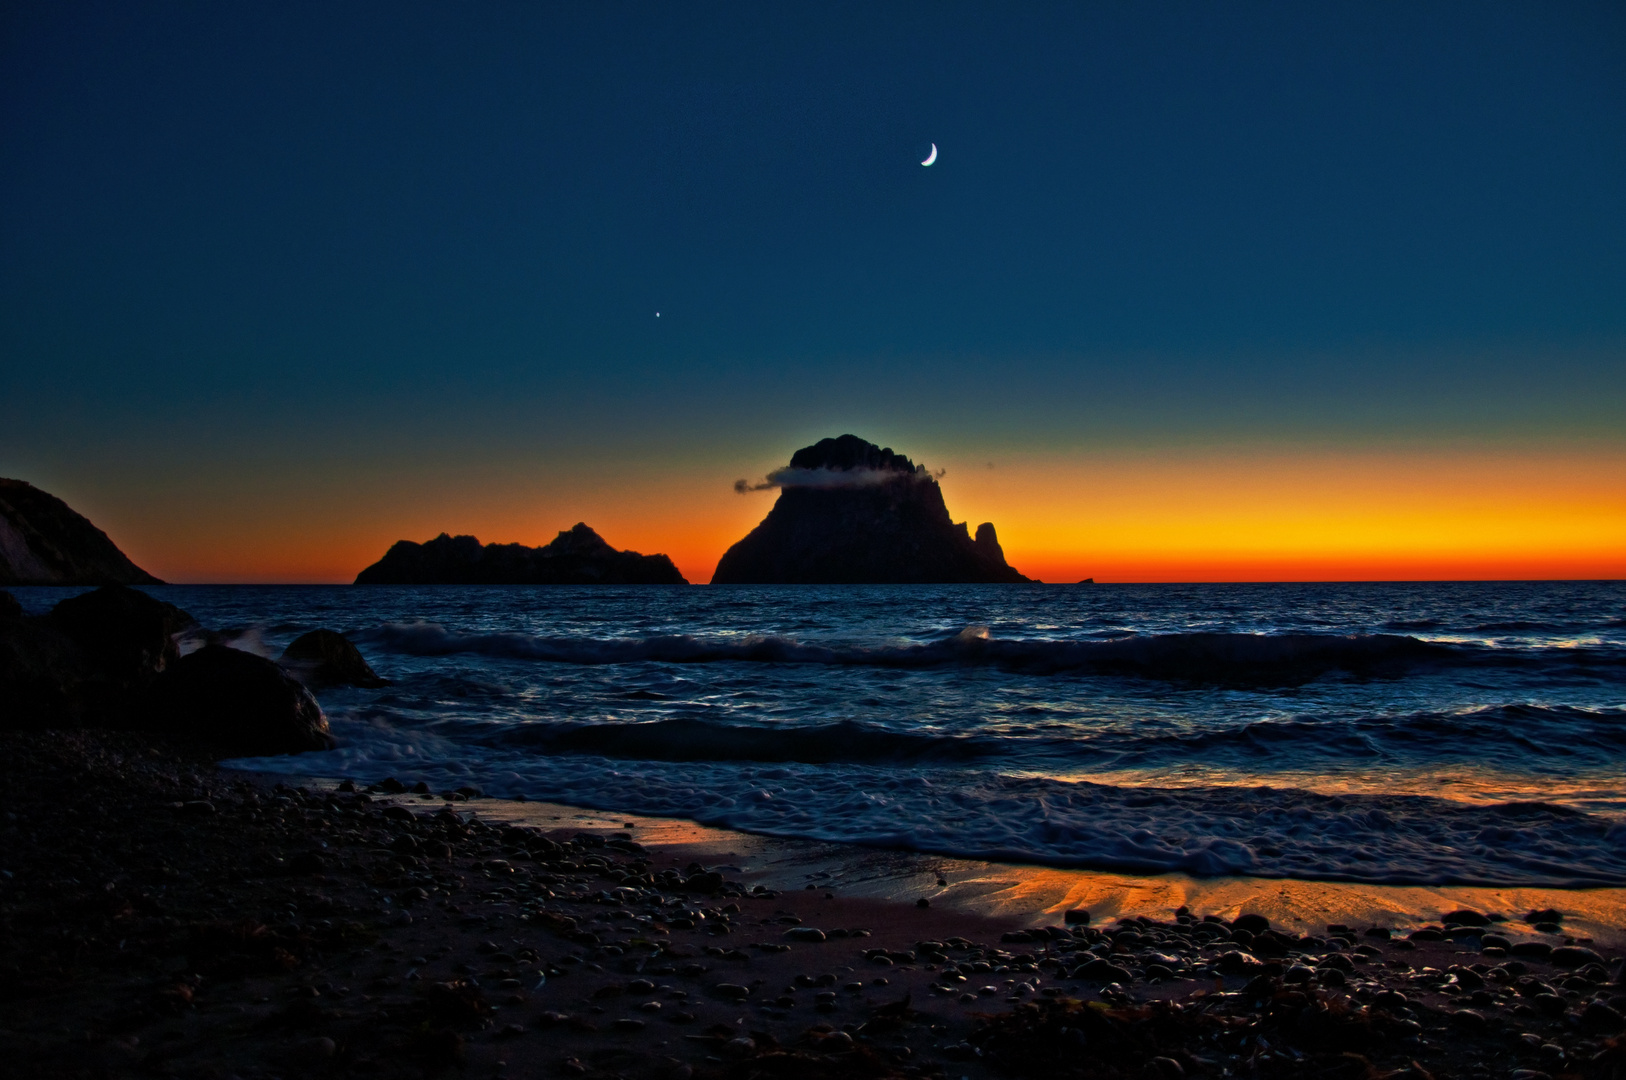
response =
{"points": [[1194, 291]]}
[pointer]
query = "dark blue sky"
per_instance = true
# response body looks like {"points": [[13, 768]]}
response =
{"points": [[316, 232]]}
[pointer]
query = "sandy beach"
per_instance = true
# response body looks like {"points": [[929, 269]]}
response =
{"points": [[164, 917]]}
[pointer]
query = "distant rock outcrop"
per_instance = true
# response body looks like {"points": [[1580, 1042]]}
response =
{"points": [[851, 512], [578, 556], [44, 542]]}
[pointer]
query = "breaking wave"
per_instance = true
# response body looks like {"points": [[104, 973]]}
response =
{"points": [[1500, 734], [1195, 656]]}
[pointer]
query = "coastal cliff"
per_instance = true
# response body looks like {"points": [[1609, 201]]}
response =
{"points": [[577, 556], [851, 512], [43, 541]]}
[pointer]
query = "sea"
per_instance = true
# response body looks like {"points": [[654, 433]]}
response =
{"points": [[1436, 733]]}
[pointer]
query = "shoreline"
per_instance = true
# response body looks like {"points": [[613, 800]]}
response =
{"points": [[172, 918], [1032, 894]]}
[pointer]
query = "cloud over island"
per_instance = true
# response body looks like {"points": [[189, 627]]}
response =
{"points": [[791, 477]]}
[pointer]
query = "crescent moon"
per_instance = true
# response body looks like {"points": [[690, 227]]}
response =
{"points": [[931, 157]]}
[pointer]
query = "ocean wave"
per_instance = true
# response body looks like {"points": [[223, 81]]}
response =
{"points": [[1257, 831], [1205, 657], [1512, 733], [701, 740], [1413, 624]]}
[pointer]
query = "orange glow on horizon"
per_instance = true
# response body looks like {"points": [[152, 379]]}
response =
{"points": [[1309, 516], [1257, 515]]}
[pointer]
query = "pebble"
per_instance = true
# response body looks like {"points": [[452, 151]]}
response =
{"points": [[1600, 1017], [1468, 1020], [1104, 971], [1572, 956], [1464, 917], [1234, 963]]}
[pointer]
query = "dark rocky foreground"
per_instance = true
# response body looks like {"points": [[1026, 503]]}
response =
{"points": [[850, 512], [577, 556], [111, 659], [44, 541], [164, 919]]}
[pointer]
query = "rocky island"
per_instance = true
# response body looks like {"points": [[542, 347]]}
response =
{"points": [[577, 556], [851, 512], [43, 541]]}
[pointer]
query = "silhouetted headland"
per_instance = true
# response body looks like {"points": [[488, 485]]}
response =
{"points": [[578, 556], [851, 512], [44, 541]]}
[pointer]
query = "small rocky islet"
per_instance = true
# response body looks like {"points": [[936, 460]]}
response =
{"points": [[577, 556], [165, 918], [849, 513]]}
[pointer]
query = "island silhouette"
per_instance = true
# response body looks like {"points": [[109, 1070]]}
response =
{"points": [[850, 512], [577, 556]]}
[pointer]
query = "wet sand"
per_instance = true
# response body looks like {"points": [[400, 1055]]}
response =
{"points": [[163, 917], [1035, 895]]}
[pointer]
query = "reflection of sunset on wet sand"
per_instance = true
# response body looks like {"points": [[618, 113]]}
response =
{"points": [[1035, 895]]}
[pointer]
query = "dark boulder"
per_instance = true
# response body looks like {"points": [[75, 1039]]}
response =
{"points": [[43, 541], [577, 556], [326, 658], [236, 702], [851, 512], [126, 636], [87, 661], [42, 673]]}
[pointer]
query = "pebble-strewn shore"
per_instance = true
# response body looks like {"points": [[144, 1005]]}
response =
{"points": [[162, 918]]}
